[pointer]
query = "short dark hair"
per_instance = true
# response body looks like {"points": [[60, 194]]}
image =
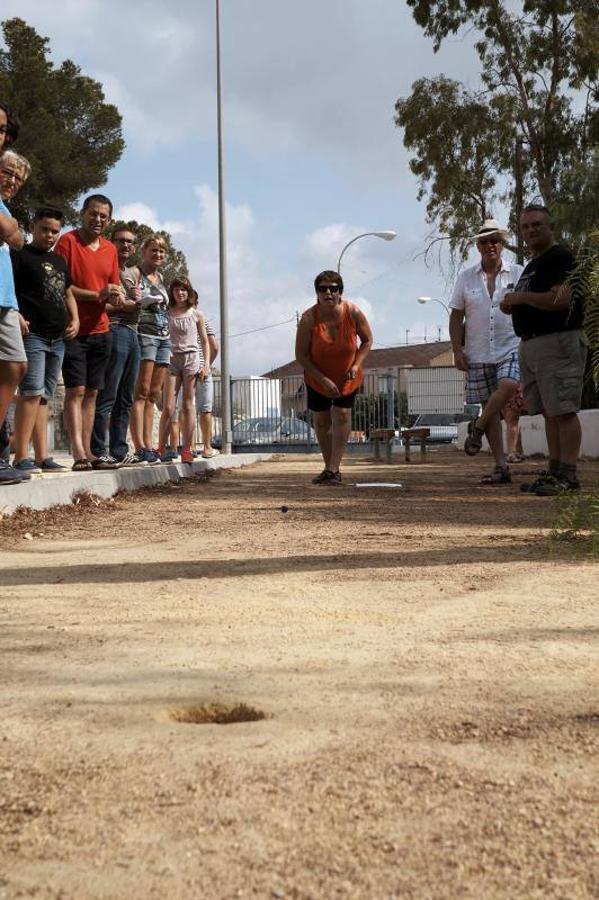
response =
{"points": [[49, 212], [537, 207], [13, 126], [329, 275], [97, 198], [119, 228]]}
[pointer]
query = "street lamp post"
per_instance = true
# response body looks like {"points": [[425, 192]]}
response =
{"points": [[384, 235], [225, 375], [434, 300]]}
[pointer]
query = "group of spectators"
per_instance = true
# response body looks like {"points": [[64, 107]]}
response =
{"points": [[124, 340]]}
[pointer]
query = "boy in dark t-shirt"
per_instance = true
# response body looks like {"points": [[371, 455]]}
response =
{"points": [[547, 316], [47, 305]]}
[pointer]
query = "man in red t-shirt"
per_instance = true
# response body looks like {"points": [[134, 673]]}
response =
{"points": [[94, 272]]}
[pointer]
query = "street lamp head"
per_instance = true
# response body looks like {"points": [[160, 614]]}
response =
{"points": [[424, 299], [386, 235]]}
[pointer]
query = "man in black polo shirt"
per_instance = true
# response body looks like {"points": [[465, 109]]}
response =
{"points": [[547, 317]]}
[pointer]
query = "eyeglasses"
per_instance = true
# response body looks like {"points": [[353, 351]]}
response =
{"points": [[490, 240], [125, 240], [11, 175], [323, 288]]}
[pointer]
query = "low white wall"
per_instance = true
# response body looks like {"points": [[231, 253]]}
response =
{"points": [[532, 429]]}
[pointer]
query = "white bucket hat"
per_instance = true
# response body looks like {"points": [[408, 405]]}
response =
{"points": [[492, 226]]}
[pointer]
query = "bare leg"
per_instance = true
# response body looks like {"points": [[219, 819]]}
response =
{"points": [[323, 426], [40, 433], [168, 408], [25, 416], [341, 429], [495, 438], [88, 414], [188, 410], [552, 433], [158, 376], [504, 392], [73, 401], [570, 438], [206, 429], [142, 392], [11, 375], [511, 418]]}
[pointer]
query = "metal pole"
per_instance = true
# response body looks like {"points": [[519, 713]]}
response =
{"points": [[390, 404], [225, 374]]}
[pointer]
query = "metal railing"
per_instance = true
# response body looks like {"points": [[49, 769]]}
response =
{"points": [[274, 412]]}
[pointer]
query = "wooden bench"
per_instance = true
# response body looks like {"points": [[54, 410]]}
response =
{"points": [[382, 436], [419, 434]]}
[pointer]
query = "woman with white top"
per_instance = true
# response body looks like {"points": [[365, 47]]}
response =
{"points": [[190, 354]]}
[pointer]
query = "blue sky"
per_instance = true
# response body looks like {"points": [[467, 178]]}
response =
{"points": [[312, 155]]}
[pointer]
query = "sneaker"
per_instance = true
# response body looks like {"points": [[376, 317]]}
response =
{"points": [[27, 465], [323, 478], [552, 486], [169, 455], [137, 458], [530, 487], [210, 454], [129, 459], [104, 462], [186, 455], [335, 478], [150, 457], [49, 465], [9, 475]]}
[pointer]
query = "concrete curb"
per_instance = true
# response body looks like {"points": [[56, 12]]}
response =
{"points": [[56, 490]]}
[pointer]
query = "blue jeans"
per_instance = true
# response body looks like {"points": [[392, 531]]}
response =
{"points": [[116, 397]]}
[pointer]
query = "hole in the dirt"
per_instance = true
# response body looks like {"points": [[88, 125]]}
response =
{"points": [[217, 714], [589, 718]]}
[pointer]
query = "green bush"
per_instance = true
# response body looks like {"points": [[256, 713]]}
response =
{"points": [[577, 518]]}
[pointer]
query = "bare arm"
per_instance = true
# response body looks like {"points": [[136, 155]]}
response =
{"points": [[456, 330], [302, 351], [83, 295], [554, 300], [365, 334], [203, 336], [214, 348], [73, 327], [10, 233]]}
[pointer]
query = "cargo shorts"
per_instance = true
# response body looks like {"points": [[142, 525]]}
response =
{"points": [[552, 371]]}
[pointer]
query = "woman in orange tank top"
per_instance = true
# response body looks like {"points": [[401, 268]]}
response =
{"points": [[327, 348]]}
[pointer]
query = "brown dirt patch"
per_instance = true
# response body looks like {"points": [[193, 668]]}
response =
{"points": [[427, 660]]}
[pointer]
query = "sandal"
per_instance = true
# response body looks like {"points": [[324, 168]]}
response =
{"points": [[497, 476], [474, 441], [515, 457], [82, 465]]}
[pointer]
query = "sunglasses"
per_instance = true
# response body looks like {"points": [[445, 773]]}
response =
{"points": [[323, 288], [484, 241]]}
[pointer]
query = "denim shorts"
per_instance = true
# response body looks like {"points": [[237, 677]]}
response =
{"points": [[155, 349], [44, 362], [204, 395]]}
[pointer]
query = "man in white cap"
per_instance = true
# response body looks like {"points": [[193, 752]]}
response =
{"points": [[489, 355]]}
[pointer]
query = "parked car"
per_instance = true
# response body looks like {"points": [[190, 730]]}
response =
{"points": [[443, 426], [288, 430]]}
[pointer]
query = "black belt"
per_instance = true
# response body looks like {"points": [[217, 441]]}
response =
{"points": [[529, 337]]}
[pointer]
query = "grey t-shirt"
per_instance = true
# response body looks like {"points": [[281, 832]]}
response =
{"points": [[129, 278]]}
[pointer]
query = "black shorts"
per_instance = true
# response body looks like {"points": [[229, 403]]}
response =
{"points": [[86, 360], [319, 403]]}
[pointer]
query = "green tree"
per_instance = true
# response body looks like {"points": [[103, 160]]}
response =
{"points": [[538, 92], [69, 134], [175, 265]]}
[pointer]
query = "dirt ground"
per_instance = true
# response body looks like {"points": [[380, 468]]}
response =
{"points": [[426, 661]]}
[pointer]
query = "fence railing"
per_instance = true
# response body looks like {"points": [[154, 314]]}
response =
{"points": [[275, 412]]}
